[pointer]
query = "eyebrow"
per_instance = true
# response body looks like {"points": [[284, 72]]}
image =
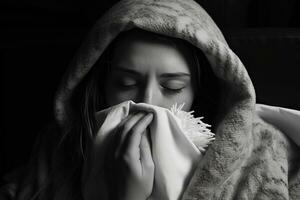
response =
{"points": [[130, 71], [164, 75], [174, 75]]}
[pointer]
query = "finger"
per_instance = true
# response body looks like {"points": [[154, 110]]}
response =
{"points": [[116, 139], [123, 130], [145, 155], [135, 135]]}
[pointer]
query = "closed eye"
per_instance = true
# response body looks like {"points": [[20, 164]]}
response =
{"points": [[172, 91], [174, 85], [127, 82]]}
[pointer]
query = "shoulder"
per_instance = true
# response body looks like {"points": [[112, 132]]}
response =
{"points": [[270, 141]]}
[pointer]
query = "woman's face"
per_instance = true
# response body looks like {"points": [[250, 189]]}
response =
{"points": [[145, 70]]}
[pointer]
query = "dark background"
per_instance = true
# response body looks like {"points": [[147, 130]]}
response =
{"points": [[38, 38]]}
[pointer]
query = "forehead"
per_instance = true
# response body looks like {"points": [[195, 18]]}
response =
{"points": [[147, 52]]}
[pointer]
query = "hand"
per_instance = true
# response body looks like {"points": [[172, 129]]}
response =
{"points": [[129, 161], [133, 167]]}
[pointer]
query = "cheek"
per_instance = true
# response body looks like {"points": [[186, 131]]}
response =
{"points": [[186, 97], [114, 96]]}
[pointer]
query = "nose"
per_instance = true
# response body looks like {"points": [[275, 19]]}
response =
{"points": [[150, 95]]}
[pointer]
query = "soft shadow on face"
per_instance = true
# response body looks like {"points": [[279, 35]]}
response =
{"points": [[146, 70]]}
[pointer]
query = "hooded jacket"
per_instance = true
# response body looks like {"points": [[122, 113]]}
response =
{"points": [[249, 159]]}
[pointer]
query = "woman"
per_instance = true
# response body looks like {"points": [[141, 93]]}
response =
{"points": [[151, 52], [150, 68]]}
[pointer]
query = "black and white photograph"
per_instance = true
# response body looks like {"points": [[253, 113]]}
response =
{"points": [[150, 100]]}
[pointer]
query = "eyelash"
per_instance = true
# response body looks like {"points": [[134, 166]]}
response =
{"points": [[173, 90], [126, 87]]}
